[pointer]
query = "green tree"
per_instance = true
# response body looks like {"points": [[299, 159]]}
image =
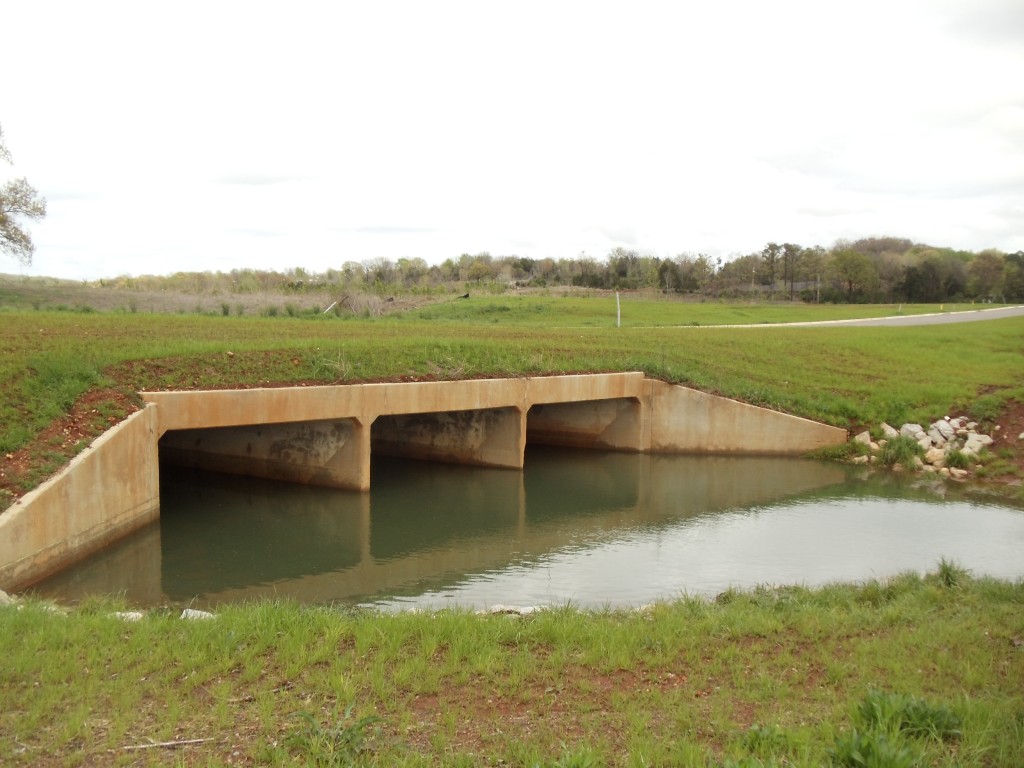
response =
{"points": [[669, 276], [1013, 277], [769, 266], [736, 277], [624, 269], [855, 272], [790, 261], [480, 269], [810, 263], [18, 199], [985, 275]]}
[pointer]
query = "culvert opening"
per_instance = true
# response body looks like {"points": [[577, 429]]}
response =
{"points": [[336, 453], [324, 452], [486, 437], [611, 424]]}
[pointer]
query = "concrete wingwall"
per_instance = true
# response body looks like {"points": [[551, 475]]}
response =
{"points": [[683, 420], [110, 490], [325, 436]]}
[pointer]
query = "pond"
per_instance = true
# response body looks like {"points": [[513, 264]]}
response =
{"points": [[591, 529]]}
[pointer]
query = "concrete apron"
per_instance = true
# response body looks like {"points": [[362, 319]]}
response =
{"points": [[323, 436]]}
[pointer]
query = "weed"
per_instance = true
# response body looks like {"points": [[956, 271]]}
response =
{"points": [[957, 459], [326, 367], [730, 595], [902, 451], [583, 757], [950, 575], [847, 450], [872, 750], [986, 408], [995, 467], [896, 714], [338, 743], [765, 740]]}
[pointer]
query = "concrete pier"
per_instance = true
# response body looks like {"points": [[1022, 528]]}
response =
{"points": [[326, 436]]}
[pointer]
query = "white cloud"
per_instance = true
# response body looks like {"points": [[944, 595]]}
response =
{"points": [[224, 135]]}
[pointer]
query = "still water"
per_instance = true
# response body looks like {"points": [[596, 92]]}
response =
{"points": [[590, 529]]}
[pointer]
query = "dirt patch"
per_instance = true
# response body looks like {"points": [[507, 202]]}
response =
{"points": [[1007, 447], [91, 415]]}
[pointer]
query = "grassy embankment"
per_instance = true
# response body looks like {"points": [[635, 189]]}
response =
{"points": [[911, 672], [769, 678], [843, 376]]}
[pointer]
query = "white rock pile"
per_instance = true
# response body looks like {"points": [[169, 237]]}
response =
{"points": [[940, 439]]}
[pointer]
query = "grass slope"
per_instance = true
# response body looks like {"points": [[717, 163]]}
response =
{"points": [[843, 376], [924, 668]]}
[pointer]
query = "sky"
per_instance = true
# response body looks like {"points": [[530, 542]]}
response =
{"points": [[212, 136]]}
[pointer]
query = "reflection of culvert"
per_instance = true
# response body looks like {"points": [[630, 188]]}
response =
{"points": [[263, 532]]}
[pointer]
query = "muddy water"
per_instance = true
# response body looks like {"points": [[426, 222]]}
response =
{"points": [[591, 529]]}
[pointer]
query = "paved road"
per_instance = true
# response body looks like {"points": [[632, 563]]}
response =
{"points": [[937, 318]]}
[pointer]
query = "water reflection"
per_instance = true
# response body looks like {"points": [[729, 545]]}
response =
{"points": [[594, 529]]}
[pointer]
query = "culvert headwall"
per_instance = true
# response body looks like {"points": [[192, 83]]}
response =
{"points": [[325, 435]]}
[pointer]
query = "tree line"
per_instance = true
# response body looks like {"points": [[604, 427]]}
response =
{"points": [[869, 270]]}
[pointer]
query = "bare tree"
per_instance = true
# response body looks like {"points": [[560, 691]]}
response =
{"points": [[17, 199]]}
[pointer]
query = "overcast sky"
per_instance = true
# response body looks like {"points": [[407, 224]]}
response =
{"points": [[225, 135]]}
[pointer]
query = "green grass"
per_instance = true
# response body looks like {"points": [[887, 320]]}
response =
{"points": [[847, 377], [641, 310], [841, 376], [796, 677], [901, 451], [769, 677]]}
